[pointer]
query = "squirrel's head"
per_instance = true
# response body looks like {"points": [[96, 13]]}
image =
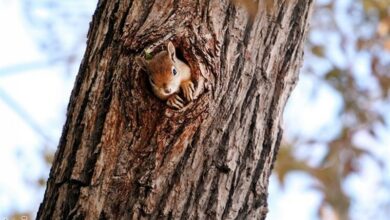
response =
{"points": [[162, 71]]}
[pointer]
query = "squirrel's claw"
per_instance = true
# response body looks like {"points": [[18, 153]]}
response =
{"points": [[175, 102], [188, 90]]}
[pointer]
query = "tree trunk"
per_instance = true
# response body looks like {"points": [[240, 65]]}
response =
{"points": [[124, 154]]}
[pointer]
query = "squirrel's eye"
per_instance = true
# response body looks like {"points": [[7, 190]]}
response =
{"points": [[174, 71]]}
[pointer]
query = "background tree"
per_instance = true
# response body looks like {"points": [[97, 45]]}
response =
{"points": [[124, 154], [350, 59]]}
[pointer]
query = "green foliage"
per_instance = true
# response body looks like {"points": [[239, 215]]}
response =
{"points": [[148, 55]]}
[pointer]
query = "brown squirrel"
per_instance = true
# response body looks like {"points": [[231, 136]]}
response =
{"points": [[167, 74]]}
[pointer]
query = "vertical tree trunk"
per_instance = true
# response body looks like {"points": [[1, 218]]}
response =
{"points": [[124, 154]]}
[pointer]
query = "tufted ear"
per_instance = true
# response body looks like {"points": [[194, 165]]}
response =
{"points": [[171, 51], [142, 63]]}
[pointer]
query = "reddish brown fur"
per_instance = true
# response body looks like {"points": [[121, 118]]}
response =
{"points": [[161, 67]]}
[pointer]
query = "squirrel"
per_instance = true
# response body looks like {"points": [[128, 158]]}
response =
{"points": [[167, 75]]}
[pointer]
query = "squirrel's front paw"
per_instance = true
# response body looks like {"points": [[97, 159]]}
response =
{"points": [[175, 102], [188, 90]]}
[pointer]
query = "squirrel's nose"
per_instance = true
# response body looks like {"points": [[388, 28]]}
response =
{"points": [[167, 90]]}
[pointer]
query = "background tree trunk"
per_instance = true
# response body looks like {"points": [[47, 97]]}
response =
{"points": [[124, 154]]}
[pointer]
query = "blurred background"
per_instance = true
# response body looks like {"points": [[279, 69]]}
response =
{"points": [[334, 162]]}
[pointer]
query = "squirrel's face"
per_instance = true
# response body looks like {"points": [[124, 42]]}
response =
{"points": [[163, 75]]}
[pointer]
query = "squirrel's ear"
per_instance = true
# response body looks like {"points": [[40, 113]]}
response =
{"points": [[171, 51], [141, 62]]}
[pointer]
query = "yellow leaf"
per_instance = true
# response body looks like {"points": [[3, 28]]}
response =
{"points": [[386, 44], [318, 50], [384, 27]]}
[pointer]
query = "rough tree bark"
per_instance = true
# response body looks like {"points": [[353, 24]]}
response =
{"points": [[124, 154]]}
